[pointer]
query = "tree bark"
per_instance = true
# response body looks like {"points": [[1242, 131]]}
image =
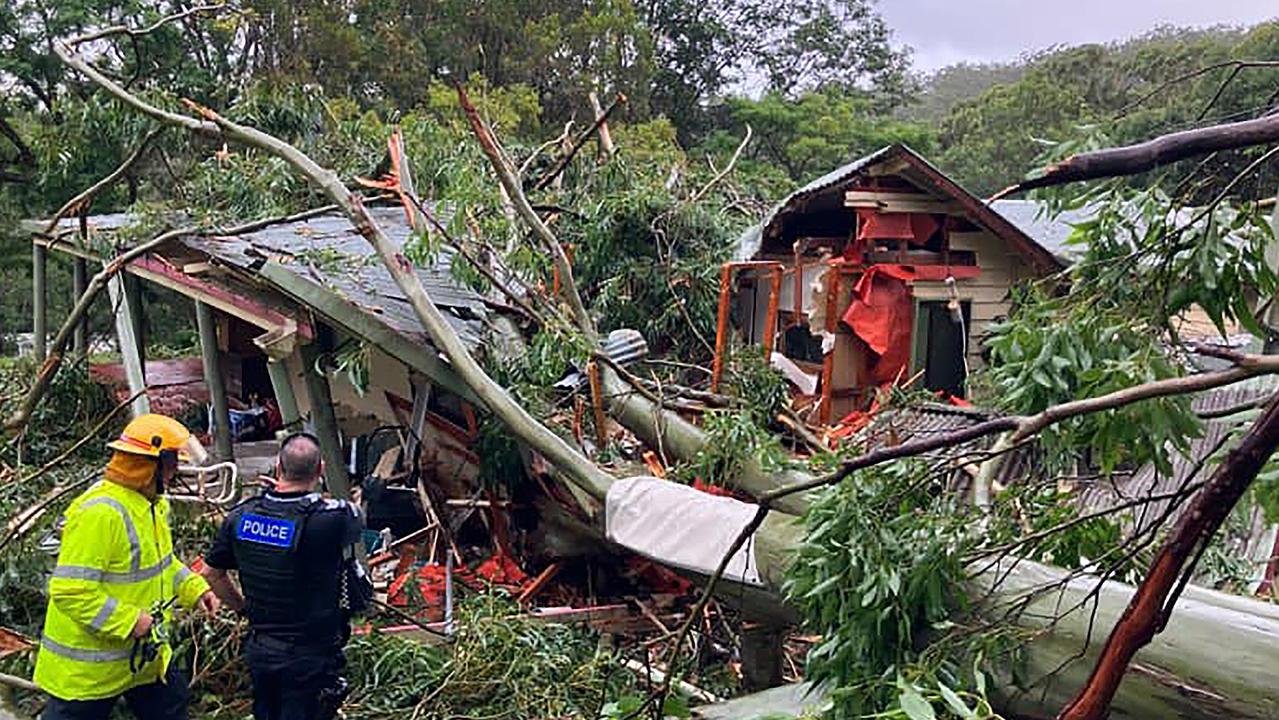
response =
{"points": [[1163, 150], [1152, 605]]}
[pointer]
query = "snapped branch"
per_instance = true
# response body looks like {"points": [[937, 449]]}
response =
{"points": [[1162, 150], [511, 184]]}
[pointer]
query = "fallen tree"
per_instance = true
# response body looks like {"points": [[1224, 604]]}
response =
{"points": [[777, 532]]}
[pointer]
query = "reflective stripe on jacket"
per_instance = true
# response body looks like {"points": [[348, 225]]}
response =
{"points": [[116, 561]]}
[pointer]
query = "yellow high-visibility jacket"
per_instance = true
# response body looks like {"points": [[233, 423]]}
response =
{"points": [[116, 561]]}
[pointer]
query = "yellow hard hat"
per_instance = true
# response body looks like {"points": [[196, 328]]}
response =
{"points": [[152, 433]]}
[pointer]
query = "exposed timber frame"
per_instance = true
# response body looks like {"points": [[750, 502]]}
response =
{"points": [[213, 380]]}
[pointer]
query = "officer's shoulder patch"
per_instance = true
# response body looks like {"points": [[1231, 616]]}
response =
{"points": [[255, 528], [340, 505]]}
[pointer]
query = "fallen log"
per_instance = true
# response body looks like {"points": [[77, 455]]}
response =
{"points": [[1191, 671]]}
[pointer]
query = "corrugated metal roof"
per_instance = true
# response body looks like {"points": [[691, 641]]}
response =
{"points": [[1032, 218], [1148, 481], [327, 251], [1053, 232], [750, 242], [917, 422]]}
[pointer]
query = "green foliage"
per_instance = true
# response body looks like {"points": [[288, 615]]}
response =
{"points": [[501, 664], [989, 140], [500, 463], [878, 571], [72, 405], [733, 440], [740, 435], [817, 131], [350, 358], [1049, 352], [1156, 260], [758, 385]]}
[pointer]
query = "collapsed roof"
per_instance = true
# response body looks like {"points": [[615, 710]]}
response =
{"points": [[279, 276]]}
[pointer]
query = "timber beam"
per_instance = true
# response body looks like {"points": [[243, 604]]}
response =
{"points": [[351, 319], [901, 202]]}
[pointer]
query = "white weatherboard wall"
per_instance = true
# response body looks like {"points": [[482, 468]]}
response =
{"points": [[1002, 267]]}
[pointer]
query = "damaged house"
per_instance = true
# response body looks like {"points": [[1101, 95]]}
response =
{"points": [[298, 319], [879, 271]]}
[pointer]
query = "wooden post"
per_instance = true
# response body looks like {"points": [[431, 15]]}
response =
{"points": [[326, 424], [133, 289], [128, 342], [721, 325], [770, 318], [39, 299], [762, 655], [214, 381], [79, 281], [284, 397], [828, 359]]}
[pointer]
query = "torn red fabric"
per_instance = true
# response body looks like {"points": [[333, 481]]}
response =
{"points": [[882, 314]]}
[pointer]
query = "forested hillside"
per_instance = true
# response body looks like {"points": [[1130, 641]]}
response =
{"points": [[828, 85], [571, 169]]}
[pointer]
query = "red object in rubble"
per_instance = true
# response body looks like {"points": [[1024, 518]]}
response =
{"points": [[657, 578], [710, 489], [498, 570], [430, 581]]}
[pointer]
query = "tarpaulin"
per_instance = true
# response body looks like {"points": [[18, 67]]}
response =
{"points": [[680, 527], [882, 314]]}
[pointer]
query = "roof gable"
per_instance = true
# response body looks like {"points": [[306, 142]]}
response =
{"points": [[897, 159]]}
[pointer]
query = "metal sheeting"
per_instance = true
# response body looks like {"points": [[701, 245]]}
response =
{"points": [[926, 420], [327, 251], [1033, 218], [750, 241], [1148, 481]]}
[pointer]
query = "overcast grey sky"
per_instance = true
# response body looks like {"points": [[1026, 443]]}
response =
{"points": [[943, 32]]}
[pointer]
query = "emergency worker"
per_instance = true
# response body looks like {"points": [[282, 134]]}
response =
{"points": [[294, 552], [105, 629]]}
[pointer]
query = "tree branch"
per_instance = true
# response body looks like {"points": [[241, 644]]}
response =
{"points": [[506, 175], [82, 201], [26, 158], [1148, 611], [1163, 150], [205, 129], [138, 32], [1024, 427], [583, 473], [562, 163], [54, 361]]}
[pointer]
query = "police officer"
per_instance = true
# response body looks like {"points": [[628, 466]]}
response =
{"points": [[294, 552]]}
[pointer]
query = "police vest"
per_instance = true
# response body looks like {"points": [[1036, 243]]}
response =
{"points": [[291, 584]]}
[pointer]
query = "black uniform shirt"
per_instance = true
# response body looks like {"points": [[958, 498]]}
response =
{"points": [[291, 588]]}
